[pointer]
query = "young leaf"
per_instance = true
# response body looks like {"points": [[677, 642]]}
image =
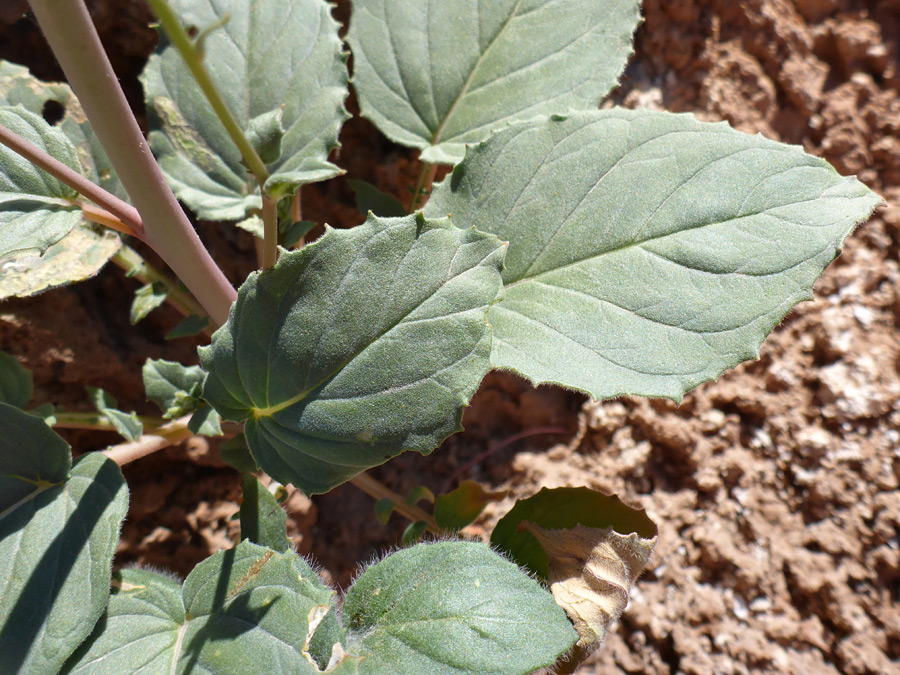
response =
{"points": [[370, 198], [34, 209], [147, 298], [454, 510], [173, 387], [413, 532], [267, 55], [59, 527], [384, 507], [648, 252], [437, 75], [126, 424], [419, 493], [362, 345], [188, 326], [236, 454], [238, 610], [16, 384], [263, 521], [205, 421], [453, 607], [79, 255]]}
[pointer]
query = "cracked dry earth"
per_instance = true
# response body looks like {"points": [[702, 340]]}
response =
{"points": [[775, 488]]}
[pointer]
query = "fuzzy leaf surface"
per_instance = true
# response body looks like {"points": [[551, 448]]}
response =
{"points": [[436, 74], [34, 209], [453, 608], [362, 345], [648, 252], [263, 521], [16, 383], [269, 54], [238, 609], [59, 527]]}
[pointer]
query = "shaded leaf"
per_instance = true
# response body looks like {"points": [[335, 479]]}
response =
{"points": [[59, 527], [362, 345], [384, 507], [236, 454], [206, 422], [456, 509], [127, 424], [294, 232], [147, 298], [437, 75], [298, 66], [413, 532], [370, 198], [419, 493], [16, 383], [453, 607], [648, 252], [263, 521], [188, 326], [237, 610]]}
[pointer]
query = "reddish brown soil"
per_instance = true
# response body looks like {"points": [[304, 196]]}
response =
{"points": [[775, 489]]}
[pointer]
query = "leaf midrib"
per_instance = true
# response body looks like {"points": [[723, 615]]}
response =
{"points": [[436, 137]]}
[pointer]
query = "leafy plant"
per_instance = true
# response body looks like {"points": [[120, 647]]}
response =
{"points": [[608, 251]]}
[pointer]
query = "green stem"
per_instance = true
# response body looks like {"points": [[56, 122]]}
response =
{"points": [[194, 61], [270, 233], [423, 186], [378, 490], [67, 176], [98, 421], [71, 34], [134, 265]]}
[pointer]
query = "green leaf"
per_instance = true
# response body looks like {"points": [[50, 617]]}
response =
{"points": [[437, 75], [147, 298], [239, 611], [563, 508], [269, 55], [413, 532], [35, 211], [206, 422], [454, 510], [370, 198], [453, 608], [648, 252], [384, 507], [362, 345], [236, 454], [173, 387], [265, 134], [19, 87], [126, 424], [419, 493], [263, 521], [294, 232], [188, 326], [16, 384], [59, 527], [79, 255]]}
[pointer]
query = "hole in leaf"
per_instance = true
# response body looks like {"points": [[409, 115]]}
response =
{"points": [[192, 31], [53, 112]]}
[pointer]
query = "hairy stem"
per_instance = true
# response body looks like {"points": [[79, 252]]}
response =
{"points": [[73, 38], [270, 233], [40, 158], [423, 186], [378, 490], [98, 422], [161, 437], [194, 61], [134, 265]]}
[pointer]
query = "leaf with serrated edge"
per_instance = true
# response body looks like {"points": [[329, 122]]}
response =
{"points": [[269, 54], [59, 527], [238, 609], [436, 74], [452, 608], [648, 252], [362, 345]]}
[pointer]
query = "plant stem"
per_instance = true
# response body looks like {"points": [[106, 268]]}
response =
{"points": [[160, 438], [134, 265], [102, 217], [194, 61], [71, 34], [64, 174], [98, 421], [270, 233], [378, 490], [423, 185]]}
